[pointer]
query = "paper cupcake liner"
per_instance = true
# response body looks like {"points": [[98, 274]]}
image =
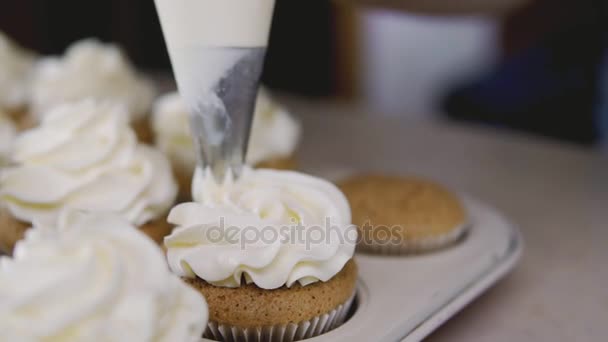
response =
{"points": [[285, 332], [415, 246]]}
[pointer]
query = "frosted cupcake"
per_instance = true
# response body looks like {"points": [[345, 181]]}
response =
{"points": [[85, 156], [16, 70], [94, 70], [8, 131], [274, 137], [95, 278], [259, 251], [403, 215]]}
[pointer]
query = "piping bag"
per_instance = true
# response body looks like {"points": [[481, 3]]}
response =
{"points": [[217, 50]]}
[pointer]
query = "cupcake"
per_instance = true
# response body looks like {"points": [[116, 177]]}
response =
{"points": [[7, 135], [91, 69], [272, 253], [274, 137], [398, 215], [84, 155], [94, 278], [16, 70]]}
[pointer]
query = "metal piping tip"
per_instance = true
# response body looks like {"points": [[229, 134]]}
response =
{"points": [[221, 119]]}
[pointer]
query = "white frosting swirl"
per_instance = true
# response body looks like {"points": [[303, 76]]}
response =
{"points": [[91, 69], [16, 67], [7, 135], [289, 210], [95, 278], [85, 156], [275, 133]]}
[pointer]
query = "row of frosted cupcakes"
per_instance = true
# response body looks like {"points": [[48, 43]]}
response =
{"points": [[86, 155], [90, 69], [95, 276], [90, 93]]}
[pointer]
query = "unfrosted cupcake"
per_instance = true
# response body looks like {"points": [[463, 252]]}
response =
{"points": [[271, 252], [16, 70], [91, 69], [8, 131], [274, 137], [85, 156], [399, 215], [94, 278]]}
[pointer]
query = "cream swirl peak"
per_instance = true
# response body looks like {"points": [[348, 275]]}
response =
{"points": [[95, 278], [275, 133], [91, 69], [271, 228], [85, 156], [16, 68]]}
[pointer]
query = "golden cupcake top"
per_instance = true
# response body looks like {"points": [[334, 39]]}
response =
{"points": [[418, 206]]}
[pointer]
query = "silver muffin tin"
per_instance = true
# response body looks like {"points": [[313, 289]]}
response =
{"points": [[405, 298]]}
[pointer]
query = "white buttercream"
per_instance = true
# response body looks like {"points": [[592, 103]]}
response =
{"points": [[16, 67], [85, 156], [261, 203], [275, 132], [91, 69], [95, 278]]}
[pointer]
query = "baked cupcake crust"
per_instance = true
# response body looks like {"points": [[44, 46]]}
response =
{"points": [[13, 230], [143, 130], [410, 208], [280, 163], [249, 306], [157, 229], [22, 118]]}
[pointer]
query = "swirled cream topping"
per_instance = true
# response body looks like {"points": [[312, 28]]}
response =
{"points": [[94, 278], [16, 67], [275, 133], [271, 228], [7, 135], [91, 69], [85, 156]]}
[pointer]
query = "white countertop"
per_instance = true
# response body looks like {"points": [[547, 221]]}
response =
{"points": [[557, 193]]}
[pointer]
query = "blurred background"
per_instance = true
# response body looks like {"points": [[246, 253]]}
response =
{"points": [[538, 66]]}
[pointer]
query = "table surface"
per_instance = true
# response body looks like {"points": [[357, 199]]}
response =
{"points": [[557, 194]]}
